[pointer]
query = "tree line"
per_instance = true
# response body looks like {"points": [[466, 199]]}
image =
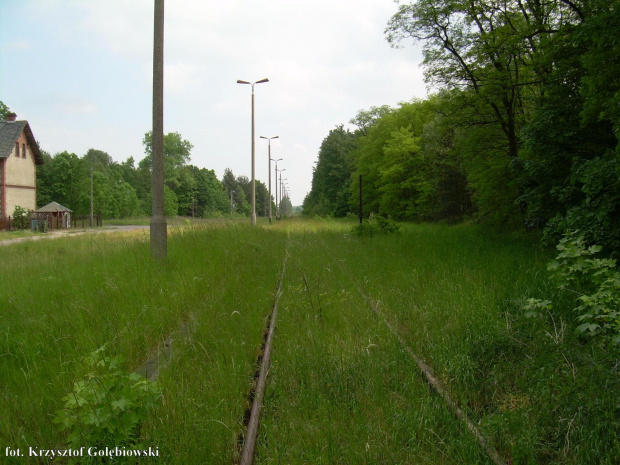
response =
{"points": [[122, 190], [523, 129]]}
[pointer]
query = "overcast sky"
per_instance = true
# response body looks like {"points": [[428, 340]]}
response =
{"points": [[80, 71]]}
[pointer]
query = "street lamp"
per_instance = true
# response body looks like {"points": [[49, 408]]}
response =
{"points": [[280, 193], [253, 215], [269, 170], [276, 186], [283, 185]]}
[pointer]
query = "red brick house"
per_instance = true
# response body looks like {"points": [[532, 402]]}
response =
{"points": [[19, 157]]}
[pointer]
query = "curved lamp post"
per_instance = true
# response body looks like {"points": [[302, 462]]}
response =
{"points": [[269, 170], [253, 215]]}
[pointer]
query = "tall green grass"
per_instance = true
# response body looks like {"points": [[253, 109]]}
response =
{"points": [[64, 298], [455, 293], [341, 388]]}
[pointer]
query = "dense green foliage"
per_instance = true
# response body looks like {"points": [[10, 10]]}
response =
{"points": [[331, 176], [122, 190], [523, 130]]}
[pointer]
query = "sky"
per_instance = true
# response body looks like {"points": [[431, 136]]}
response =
{"points": [[80, 71]]}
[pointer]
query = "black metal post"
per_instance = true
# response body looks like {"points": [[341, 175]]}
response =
{"points": [[360, 199]]}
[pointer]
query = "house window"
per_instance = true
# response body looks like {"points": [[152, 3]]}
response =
{"points": [[17, 149], [23, 150]]}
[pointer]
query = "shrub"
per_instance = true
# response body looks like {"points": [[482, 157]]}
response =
{"points": [[107, 407], [376, 224], [21, 218], [595, 280]]}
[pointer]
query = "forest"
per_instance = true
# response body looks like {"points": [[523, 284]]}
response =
{"points": [[521, 128]]}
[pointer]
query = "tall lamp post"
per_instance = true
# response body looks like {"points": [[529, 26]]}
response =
{"points": [[269, 170], [276, 185], [283, 187], [253, 196], [279, 187]]}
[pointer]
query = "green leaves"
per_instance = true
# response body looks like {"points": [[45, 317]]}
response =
{"points": [[107, 406], [595, 280]]}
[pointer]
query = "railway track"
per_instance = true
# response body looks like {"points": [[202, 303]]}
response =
{"points": [[435, 384], [247, 440], [257, 392]]}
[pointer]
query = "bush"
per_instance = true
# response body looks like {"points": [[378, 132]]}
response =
{"points": [[21, 218], [107, 407], [375, 225], [595, 280]]}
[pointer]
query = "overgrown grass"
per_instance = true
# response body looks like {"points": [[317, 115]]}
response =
{"points": [[341, 388], [62, 299], [456, 294], [207, 385]]}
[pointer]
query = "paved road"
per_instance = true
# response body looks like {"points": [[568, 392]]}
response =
{"points": [[71, 232]]}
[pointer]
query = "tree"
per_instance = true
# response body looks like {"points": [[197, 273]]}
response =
{"points": [[4, 111], [97, 160], [570, 158], [262, 199], [331, 175], [286, 207], [177, 152], [69, 182], [211, 198], [396, 175], [45, 181], [491, 49], [231, 184]]}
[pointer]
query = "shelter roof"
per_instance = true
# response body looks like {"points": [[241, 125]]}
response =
{"points": [[53, 207]]}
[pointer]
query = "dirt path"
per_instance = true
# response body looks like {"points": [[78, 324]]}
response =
{"points": [[72, 232]]}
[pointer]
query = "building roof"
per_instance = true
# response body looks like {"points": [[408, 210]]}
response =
{"points": [[10, 132], [53, 207]]}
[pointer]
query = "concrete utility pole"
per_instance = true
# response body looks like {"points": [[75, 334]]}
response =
{"points": [[159, 237], [253, 196]]}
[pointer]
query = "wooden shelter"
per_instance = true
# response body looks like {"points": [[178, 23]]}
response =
{"points": [[56, 215]]}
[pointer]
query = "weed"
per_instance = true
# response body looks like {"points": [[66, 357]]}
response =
{"points": [[107, 407]]}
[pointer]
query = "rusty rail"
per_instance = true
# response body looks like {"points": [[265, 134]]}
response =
{"points": [[428, 374], [249, 443]]}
